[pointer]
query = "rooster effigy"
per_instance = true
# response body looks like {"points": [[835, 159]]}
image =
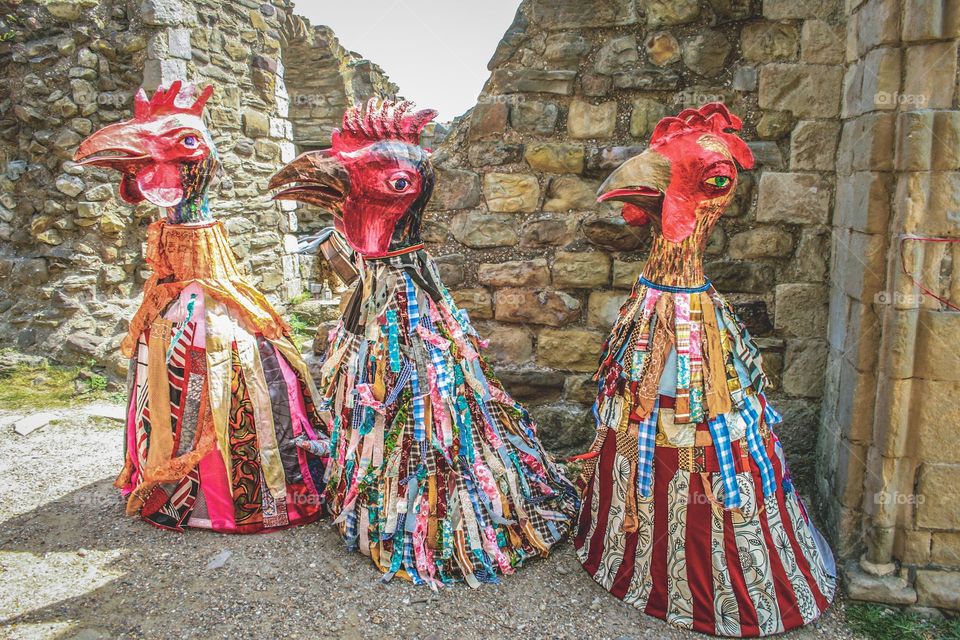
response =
{"points": [[435, 471], [218, 391], [688, 512]]}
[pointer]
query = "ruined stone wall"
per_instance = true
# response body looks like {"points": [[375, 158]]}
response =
{"points": [[71, 258], [576, 88], [70, 253], [889, 453]]}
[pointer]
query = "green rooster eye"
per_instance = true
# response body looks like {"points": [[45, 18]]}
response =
{"points": [[719, 182]]}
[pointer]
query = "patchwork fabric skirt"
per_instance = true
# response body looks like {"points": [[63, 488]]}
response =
{"points": [[214, 414], [695, 520], [435, 472]]}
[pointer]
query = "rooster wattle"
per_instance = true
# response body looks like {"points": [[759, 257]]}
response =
{"points": [[436, 472], [218, 391]]}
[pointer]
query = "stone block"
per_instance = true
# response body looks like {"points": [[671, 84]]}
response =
{"points": [[603, 308], [580, 389], [813, 145], [937, 356], [662, 48], [569, 349], [581, 269], [531, 386], [808, 91], [515, 273], [806, 360], [532, 116], [867, 143], [762, 42], [546, 231], [508, 344], [611, 232], [625, 274], [488, 120], [570, 193], [706, 53], [946, 141], [645, 115], [936, 415], [564, 50], [863, 202], [552, 308], [484, 230], [477, 302], [740, 277], [801, 310], [878, 23], [256, 123], [937, 494], [616, 53], [945, 548], [511, 192], [922, 87], [939, 589], [795, 198], [762, 242], [667, 13], [822, 42], [553, 157], [792, 10], [585, 120], [481, 154], [533, 81], [456, 189], [570, 14]]}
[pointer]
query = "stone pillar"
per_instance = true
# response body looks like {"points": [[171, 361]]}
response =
{"points": [[888, 459]]}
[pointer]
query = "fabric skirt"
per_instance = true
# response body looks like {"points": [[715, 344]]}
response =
{"points": [[436, 473], [214, 414]]}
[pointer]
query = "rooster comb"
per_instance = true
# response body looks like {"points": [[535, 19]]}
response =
{"points": [[171, 100], [380, 120], [714, 118]]}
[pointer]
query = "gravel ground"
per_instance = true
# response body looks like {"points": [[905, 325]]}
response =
{"points": [[72, 566]]}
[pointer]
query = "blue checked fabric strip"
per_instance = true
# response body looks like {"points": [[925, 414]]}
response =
{"points": [[646, 445], [755, 444], [728, 471], [770, 415], [402, 379], [419, 412]]}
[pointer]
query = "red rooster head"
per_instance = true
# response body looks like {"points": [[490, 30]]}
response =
{"points": [[687, 176], [164, 153], [374, 178]]}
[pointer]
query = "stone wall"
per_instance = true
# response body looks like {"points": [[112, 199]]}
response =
{"points": [[71, 259], [889, 451], [576, 88]]}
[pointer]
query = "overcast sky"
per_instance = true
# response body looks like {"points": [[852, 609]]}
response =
{"points": [[436, 51]]}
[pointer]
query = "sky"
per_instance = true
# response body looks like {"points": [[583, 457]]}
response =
{"points": [[436, 51]]}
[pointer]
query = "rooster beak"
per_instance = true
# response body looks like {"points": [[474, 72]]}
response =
{"points": [[640, 181], [114, 147], [314, 177]]}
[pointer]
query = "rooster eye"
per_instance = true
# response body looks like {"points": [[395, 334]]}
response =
{"points": [[190, 142], [719, 182], [399, 184]]}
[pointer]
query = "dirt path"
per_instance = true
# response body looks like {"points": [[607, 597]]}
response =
{"points": [[72, 566]]}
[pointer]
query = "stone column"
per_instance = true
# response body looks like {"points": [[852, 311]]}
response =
{"points": [[889, 461]]}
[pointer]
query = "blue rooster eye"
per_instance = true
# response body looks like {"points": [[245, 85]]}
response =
{"points": [[399, 184], [191, 142]]}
